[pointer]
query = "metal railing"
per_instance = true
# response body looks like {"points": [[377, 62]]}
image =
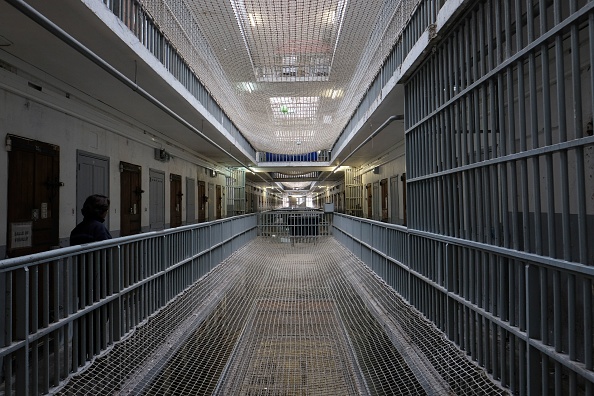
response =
{"points": [[60, 309], [288, 225], [487, 300]]}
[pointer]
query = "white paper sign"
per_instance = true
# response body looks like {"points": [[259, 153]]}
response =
{"points": [[21, 234]]}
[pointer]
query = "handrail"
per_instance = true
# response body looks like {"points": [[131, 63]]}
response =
{"points": [[426, 268], [62, 308], [55, 254]]}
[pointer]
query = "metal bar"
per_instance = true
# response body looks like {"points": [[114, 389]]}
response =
{"points": [[21, 331], [518, 56], [576, 268]]}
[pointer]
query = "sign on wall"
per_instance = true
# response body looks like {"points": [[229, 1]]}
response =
{"points": [[21, 234]]}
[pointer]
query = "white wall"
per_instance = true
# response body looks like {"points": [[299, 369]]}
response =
{"points": [[79, 122]]}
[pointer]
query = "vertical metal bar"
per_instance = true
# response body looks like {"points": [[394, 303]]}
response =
{"points": [[534, 136], [34, 366], [47, 298], [115, 310], [571, 331], [533, 327], [34, 298], [557, 306], [579, 152], [21, 331], [479, 336], [5, 321], [587, 297], [7, 318]]}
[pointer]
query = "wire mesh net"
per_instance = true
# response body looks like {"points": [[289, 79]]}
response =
{"points": [[282, 319], [288, 73]]}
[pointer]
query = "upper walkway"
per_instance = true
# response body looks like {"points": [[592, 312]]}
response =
{"points": [[279, 318]]}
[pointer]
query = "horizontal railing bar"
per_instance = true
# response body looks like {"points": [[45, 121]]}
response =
{"points": [[65, 252], [550, 262], [551, 149]]}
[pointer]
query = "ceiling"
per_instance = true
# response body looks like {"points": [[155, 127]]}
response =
{"points": [[288, 74]]}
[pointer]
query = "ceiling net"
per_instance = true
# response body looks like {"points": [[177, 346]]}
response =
{"points": [[288, 73]]}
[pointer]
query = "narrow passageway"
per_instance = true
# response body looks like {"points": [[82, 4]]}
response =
{"points": [[286, 319]]}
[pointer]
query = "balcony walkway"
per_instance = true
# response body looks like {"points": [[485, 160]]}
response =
{"points": [[285, 319]]}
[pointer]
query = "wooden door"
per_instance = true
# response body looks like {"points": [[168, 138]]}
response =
{"points": [[33, 196], [211, 202], [369, 201], [394, 206], [130, 199], [175, 200], [201, 201], [190, 201], [384, 195], [219, 202]]}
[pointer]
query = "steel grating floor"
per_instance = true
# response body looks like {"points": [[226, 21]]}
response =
{"points": [[282, 319]]}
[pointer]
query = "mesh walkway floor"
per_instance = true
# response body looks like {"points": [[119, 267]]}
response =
{"points": [[282, 319]]}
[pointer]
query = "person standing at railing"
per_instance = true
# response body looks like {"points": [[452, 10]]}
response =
{"points": [[92, 228]]}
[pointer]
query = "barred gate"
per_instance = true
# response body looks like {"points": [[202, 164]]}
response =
{"points": [[290, 226]]}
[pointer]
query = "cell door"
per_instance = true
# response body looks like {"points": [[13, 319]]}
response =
{"points": [[394, 201], [175, 200], [156, 200], [369, 201], [384, 195], [92, 177], [190, 201], [130, 198], [219, 201], [211, 202], [376, 201], [202, 201], [33, 196]]}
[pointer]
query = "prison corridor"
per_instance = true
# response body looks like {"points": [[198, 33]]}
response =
{"points": [[304, 317]]}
